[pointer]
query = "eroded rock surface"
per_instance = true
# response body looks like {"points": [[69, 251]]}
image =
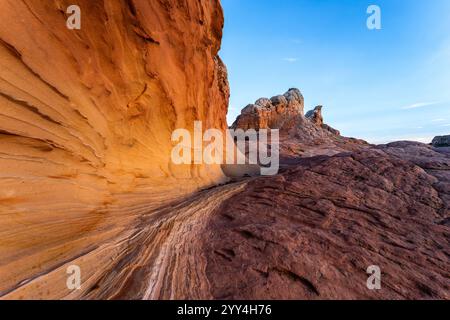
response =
{"points": [[312, 231], [271, 113], [339, 206], [315, 116], [300, 135], [86, 118]]}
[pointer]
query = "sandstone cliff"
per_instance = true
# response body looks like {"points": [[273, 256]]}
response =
{"points": [[86, 118]]}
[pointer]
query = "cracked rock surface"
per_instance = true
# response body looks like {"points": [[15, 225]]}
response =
{"points": [[312, 231]]}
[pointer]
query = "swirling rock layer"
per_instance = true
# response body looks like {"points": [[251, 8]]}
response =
{"points": [[86, 118]]}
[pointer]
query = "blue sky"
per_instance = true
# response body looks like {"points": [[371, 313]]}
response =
{"points": [[379, 85]]}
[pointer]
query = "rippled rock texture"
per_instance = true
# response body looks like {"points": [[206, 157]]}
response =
{"points": [[312, 231], [86, 118]]}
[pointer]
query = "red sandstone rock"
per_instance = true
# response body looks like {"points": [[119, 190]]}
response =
{"points": [[271, 114], [312, 232], [315, 116]]}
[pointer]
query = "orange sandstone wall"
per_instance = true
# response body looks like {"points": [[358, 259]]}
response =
{"points": [[86, 118]]}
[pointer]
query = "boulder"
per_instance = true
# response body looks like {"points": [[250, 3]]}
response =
{"points": [[441, 141], [315, 116]]}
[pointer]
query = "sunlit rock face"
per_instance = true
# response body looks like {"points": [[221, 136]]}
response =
{"points": [[301, 135], [86, 118], [271, 113]]}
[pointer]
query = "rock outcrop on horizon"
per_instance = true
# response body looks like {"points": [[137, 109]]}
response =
{"points": [[300, 135], [316, 117], [441, 141], [271, 113]]}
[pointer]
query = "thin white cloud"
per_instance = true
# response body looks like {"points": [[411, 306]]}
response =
{"points": [[420, 139], [290, 60], [438, 120], [420, 105], [383, 140]]}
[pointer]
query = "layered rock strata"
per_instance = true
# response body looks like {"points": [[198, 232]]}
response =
{"points": [[86, 118]]}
